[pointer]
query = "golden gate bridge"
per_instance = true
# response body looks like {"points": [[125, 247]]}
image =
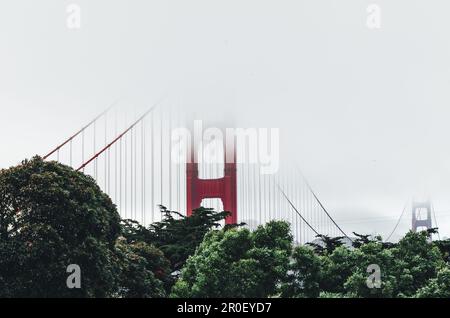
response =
{"points": [[131, 158]]}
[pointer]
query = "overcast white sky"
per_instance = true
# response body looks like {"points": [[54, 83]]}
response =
{"points": [[365, 112]]}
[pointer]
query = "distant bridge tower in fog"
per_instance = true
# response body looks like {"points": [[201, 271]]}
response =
{"points": [[419, 211]]}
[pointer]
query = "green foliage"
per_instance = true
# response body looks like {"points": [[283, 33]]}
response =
{"points": [[327, 244], [416, 262], [362, 239], [144, 271], [372, 252], [304, 274], [413, 267], [438, 287], [237, 263], [444, 248], [405, 268], [176, 235], [336, 268], [332, 295], [50, 217]]}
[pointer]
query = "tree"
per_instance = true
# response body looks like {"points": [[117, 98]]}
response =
{"points": [[326, 244], [304, 274], [237, 263], [405, 268], [413, 267], [176, 235], [438, 287], [144, 271], [416, 262], [371, 253], [50, 217], [336, 268], [362, 239], [444, 248]]}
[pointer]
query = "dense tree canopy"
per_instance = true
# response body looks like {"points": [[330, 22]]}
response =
{"points": [[304, 274], [176, 235], [144, 271], [438, 287], [51, 217], [412, 268], [237, 263]]}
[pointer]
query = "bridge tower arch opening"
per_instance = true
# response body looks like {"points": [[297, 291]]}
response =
{"points": [[421, 220]]}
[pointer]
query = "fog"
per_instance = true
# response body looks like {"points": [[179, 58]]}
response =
{"points": [[363, 112]]}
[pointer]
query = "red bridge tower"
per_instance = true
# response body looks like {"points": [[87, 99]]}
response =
{"points": [[222, 188]]}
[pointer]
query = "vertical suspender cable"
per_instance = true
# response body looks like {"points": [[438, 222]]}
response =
{"points": [[169, 126], [143, 171], [152, 158], [120, 176], [178, 167], [250, 191], [131, 174], [135, 177], [106, 159], [95, 150], [115, 158], [260, 195], [161, 155], [125, 172], [255, 215]]}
